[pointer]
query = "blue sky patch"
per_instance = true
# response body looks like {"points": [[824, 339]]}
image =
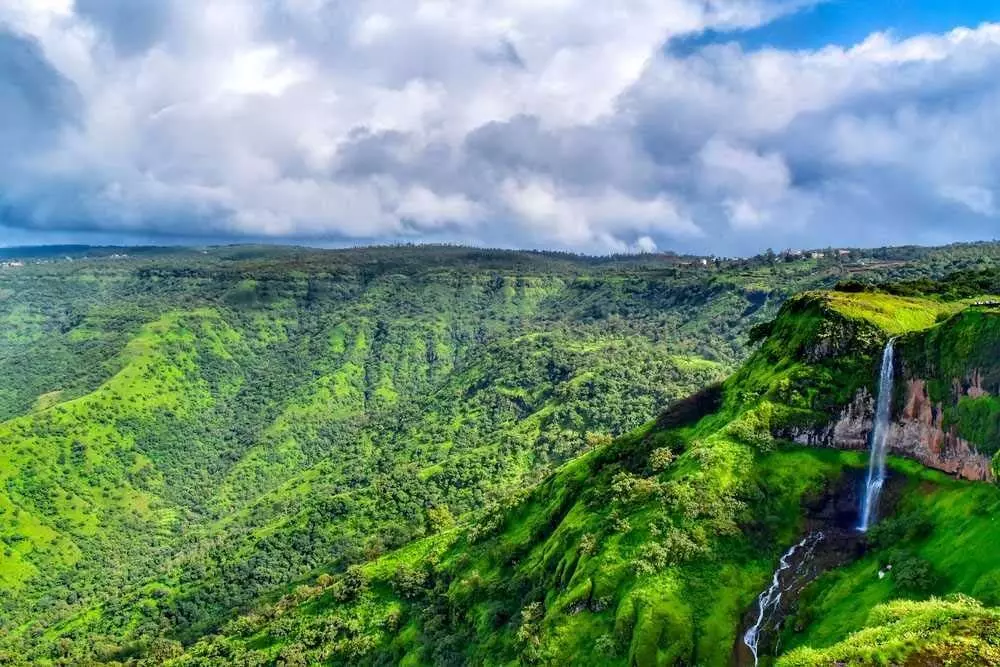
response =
{"points": [[847, 22]]}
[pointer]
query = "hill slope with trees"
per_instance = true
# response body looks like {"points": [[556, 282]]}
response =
{"points": [[652, 549], [438, 453]]}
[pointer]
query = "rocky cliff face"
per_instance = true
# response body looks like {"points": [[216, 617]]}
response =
{"points": [[917, 432]]}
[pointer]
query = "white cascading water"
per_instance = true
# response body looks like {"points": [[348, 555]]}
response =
{"points": [[768, 601], [880, 432]]}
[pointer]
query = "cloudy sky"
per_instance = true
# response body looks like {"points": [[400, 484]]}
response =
{"points": [[717, 126]]}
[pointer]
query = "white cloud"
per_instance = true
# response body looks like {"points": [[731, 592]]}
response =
{"points": [[645, 244], [739, 169], [592, 221], [513, 122], [976, 199], [262, 71], [744, 215], [373, 28], [431, 210]]}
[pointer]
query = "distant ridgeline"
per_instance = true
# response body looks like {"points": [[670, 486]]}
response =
{"points": [[445, 456]]}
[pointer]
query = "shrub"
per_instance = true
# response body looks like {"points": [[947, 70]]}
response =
{"points": [[606, 645], [852, 286], [409, 582], [895, 530], [914, 575], [440, 519], [660, 459], [987, 588], [753, 427], [628, 488], [351, 586], [759, 332]]}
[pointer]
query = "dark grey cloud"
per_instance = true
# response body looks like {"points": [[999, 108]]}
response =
{"points": [[35, 100], [503, 52], [36, 105], [364, 153]]}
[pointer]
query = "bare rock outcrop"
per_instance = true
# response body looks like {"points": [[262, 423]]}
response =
{"points": [[917, 432], [849, 431], [920, 434]]}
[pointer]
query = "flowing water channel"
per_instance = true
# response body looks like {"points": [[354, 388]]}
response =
{"points": [[792, 563]]}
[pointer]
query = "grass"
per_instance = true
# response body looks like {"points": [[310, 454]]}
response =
{"points": [[894, 315], [956, 631], [48, 400], [961, 546]]}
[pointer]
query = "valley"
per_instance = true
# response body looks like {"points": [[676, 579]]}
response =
{"points": [[438, 455]]}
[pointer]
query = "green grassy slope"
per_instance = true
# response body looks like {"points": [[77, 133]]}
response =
{"points": [[649, 550], [249, 418], [958, 631]]}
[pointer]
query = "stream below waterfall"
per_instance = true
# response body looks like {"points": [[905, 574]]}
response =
{"points": [[794, 564], [830, 539]]}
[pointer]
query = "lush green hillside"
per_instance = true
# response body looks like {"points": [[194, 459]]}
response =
{"points": [[77, 479], [650, 550], [200, 432]]}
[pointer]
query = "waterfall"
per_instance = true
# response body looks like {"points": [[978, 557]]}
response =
{"points": [[880, 432], [768, 601]]}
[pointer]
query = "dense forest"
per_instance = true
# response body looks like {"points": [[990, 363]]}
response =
{"points": [[444, 455]]}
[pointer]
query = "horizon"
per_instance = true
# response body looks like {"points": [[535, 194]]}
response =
{"points": [[664, 252]]}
